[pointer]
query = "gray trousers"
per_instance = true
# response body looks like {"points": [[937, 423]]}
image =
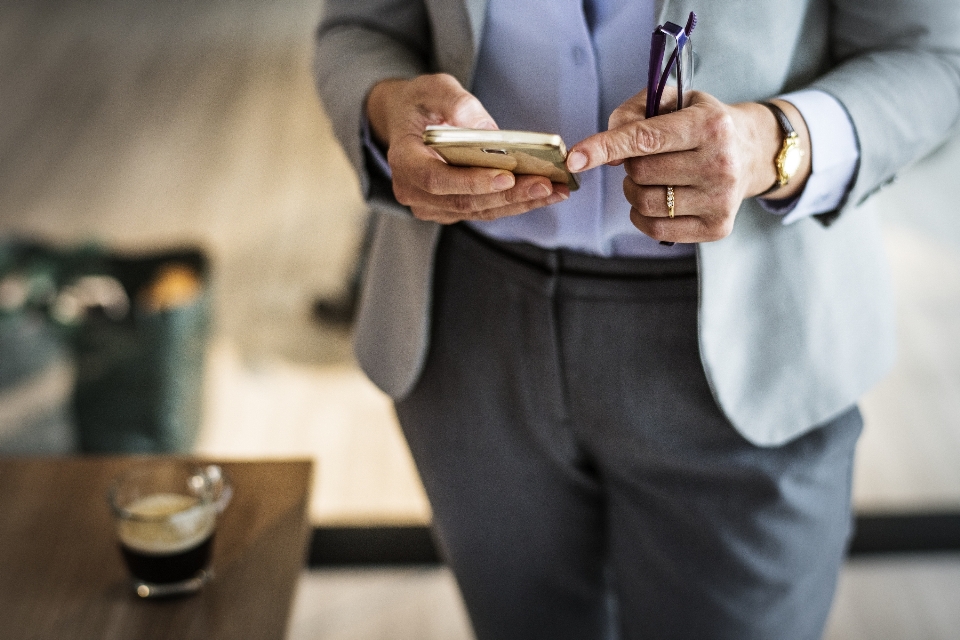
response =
{"points": [[584, 483]]}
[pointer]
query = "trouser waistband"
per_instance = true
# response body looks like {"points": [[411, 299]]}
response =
{"points": [[575, 263]]}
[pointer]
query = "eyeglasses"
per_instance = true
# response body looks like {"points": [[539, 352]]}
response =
{"points": [[659, 73], [681, 58]]}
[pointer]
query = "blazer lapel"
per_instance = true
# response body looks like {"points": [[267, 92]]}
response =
{"points": [[458, 28], [662, 6]]}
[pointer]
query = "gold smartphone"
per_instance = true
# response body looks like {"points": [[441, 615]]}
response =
{"points": [[522, 152]]}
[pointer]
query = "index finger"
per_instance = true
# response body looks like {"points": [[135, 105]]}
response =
{"points": [[669, 132]]}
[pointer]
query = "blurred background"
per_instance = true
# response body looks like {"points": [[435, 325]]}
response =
{"points": [[142, 132]]}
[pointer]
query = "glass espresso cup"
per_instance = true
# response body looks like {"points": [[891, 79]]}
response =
{"points": [[166, 516]]}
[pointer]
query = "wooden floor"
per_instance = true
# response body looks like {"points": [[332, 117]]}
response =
{"points": [[144, 124], [900, 598]]}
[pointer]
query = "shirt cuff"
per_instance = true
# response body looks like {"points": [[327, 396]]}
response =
{"points": [[375, 153], [834, 149]]}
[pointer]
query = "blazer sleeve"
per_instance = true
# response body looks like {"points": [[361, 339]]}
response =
{"points": [[359, 43], [897, 73]]}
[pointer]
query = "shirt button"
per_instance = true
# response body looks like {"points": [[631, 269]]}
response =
{"points": [[579, 56]]}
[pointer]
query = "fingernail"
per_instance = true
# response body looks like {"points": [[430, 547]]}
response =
{"points": [[539, 191], [503, 182], [577, 160]]}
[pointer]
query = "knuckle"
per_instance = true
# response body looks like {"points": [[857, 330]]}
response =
{"points": [[648, 139], [719, 229], [657, 228], [719, 126], [611, 147], [461, 203], [635, 169], [726, 225], [513, 196], [633, 193], [440, 216], [402, 194], [654, 201], [726, 199], [422, 213], [431, 182], [395, 157]]}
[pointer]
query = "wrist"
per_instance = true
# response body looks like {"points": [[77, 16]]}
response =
{"points": [[785, 187], [762, 139]]}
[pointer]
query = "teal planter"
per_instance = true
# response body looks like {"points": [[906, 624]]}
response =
{"points": [[139, 385], [35, 391]]}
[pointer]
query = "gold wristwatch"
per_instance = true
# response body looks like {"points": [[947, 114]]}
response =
{"points": [[790, 156]]}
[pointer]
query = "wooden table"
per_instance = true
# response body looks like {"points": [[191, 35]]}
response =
{"points": [[61, 574]]}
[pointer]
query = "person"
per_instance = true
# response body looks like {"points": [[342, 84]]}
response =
{"points": [[618, 437]]}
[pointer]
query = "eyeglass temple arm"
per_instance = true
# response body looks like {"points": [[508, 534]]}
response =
{"points": [[658, 43], [666, 76]]}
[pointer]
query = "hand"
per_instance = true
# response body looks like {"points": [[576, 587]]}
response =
{"points": [[400, 110], [714, 155]]}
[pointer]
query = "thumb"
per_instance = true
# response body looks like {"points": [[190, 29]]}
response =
{"points": [[460, 108]]}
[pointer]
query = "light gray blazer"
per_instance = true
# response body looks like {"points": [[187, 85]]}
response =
{"points": [[795, 321]]}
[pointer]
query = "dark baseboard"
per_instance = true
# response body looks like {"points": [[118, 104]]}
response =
{"points": [[366, 546], [906, 533], [339, 546]]}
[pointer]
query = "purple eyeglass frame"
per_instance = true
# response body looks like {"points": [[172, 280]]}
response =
{"points": [[657, 75]]}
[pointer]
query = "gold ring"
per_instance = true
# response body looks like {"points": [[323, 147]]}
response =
{"points": [[670, 202]]}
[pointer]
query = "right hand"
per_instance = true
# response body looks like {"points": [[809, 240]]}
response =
{"points": [[400, 110]]}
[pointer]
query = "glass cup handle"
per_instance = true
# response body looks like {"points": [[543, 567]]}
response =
{"points": [[220, 486], [212, 480]]}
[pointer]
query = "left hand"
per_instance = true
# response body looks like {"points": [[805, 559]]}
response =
{"points": [[714, 155]]}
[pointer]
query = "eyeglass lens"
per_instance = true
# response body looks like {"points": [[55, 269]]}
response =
{"points": [[678, 69]]}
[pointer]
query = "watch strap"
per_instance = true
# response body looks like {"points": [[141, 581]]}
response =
{"points": [[781, 117], [786, 128]]}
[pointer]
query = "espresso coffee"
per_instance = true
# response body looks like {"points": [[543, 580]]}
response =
{"points": [[168, 539]]}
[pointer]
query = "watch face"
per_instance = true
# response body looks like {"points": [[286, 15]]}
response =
{"points": [[792, 156]]}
